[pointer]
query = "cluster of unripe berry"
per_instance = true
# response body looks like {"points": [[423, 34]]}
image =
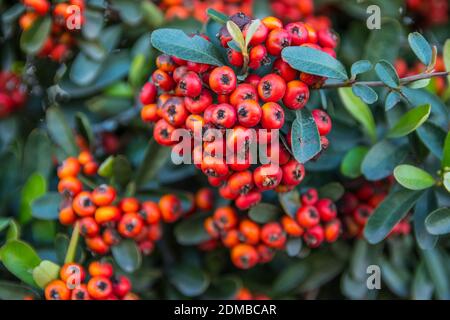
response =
{"points": [[100, 284], [292, 10], [13, 93], [183, 9], [440, 84], [61, 39], [104, 219], [185, 94], [434, 12], [315, 222], [360, 201]]}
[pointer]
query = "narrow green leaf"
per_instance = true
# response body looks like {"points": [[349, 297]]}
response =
{"points": [[315, 62], [359, 110], [217, 16], [426, 204], [438, 222], [155, 157], [410, 121], [433, 137], [435, 264], [84, 128], [177, 43], [351, 164], [305, 137], [413, 178], [236, 34], [421, 47], [252, 30], [20, 259], [446, 156], [387, 73], [60, 131], [422, 288], [393, 209], [36, 152]]}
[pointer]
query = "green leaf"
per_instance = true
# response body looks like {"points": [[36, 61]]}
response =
{"points": [[264, 212], [13, 231], [191, 231], [189, 280], [305, 137], [413, 178], [395, 278], [129, 11], [84, 128], [422, 288], [14, 291], [93, 50], [290, 202], [155, 157], [332, 190], [446, 156], [387, 73], [393, 209], [420, 47], [381, 160], [351, 164], [446, 181], [254, 25], [36, 152], [153, 15], [426, 203], [315, 62], [47, 206], [32, 40], [60, 131], [176, 43], [360, 67], [122, 171], [93, 24], [293, 246], [419, 84], [385, 42], [435, 265], [20, 259], [446, 56], [433, 137], [324, 268], [291, 277], [224, 288], [106, 168], [35, 187], [84, 70], [217, 16], [45, 272], [438, 222], [366, 93], [137, 74], [236, 34], [410, 121], [359, 110], [392, 99], [127, 255]]}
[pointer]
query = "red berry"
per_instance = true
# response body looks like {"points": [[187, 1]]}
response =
{"points": [[297, 95], [327, 209], [314, 236], [293, 173], [190, 85], [246, 201], [308, 217], [271, 88], [148, 93], [222, 80], [272, 234], [272, 116], [298, 32], [249, 113], [277, 40], [267, 177], [322, 120]]}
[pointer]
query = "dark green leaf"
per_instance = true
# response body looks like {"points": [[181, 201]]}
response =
{"points": [[410, 121], [36, 153], [60, 131], [217, 16], [381, 160], [438, 222], [421, 47], [34, 38], [189, 280], [422, 288], [446, 157], [130, 11], [122, 170], [84, 70], [47, 206], [127, 255], [291, 277], [387, 73], [366, 93], [155, 157], [395, 278], [315, 62], [389, 213], [84, 128], [35, 187], [435, 265], [263, 212], [305, 137], [351, 164], [191, 231], [432, 137], [332, 190], [93, 50], [426, 203], [290, 202], [20, 259], [177, 43], [293, 246], [93, 25]]}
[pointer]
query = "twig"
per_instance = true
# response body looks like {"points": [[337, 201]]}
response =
{"points": [[403, 81]]}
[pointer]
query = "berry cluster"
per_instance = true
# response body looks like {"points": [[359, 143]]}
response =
{"points": [[439, 83], [292, 10], [360, 201], [102, 284], [246, 294], [103, 218], [64, 13], [185, 94], [183, 9], [250, 243], [13, 93], [432, 12]]}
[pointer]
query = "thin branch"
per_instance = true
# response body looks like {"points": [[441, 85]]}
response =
{"points": [[403, 81]]}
